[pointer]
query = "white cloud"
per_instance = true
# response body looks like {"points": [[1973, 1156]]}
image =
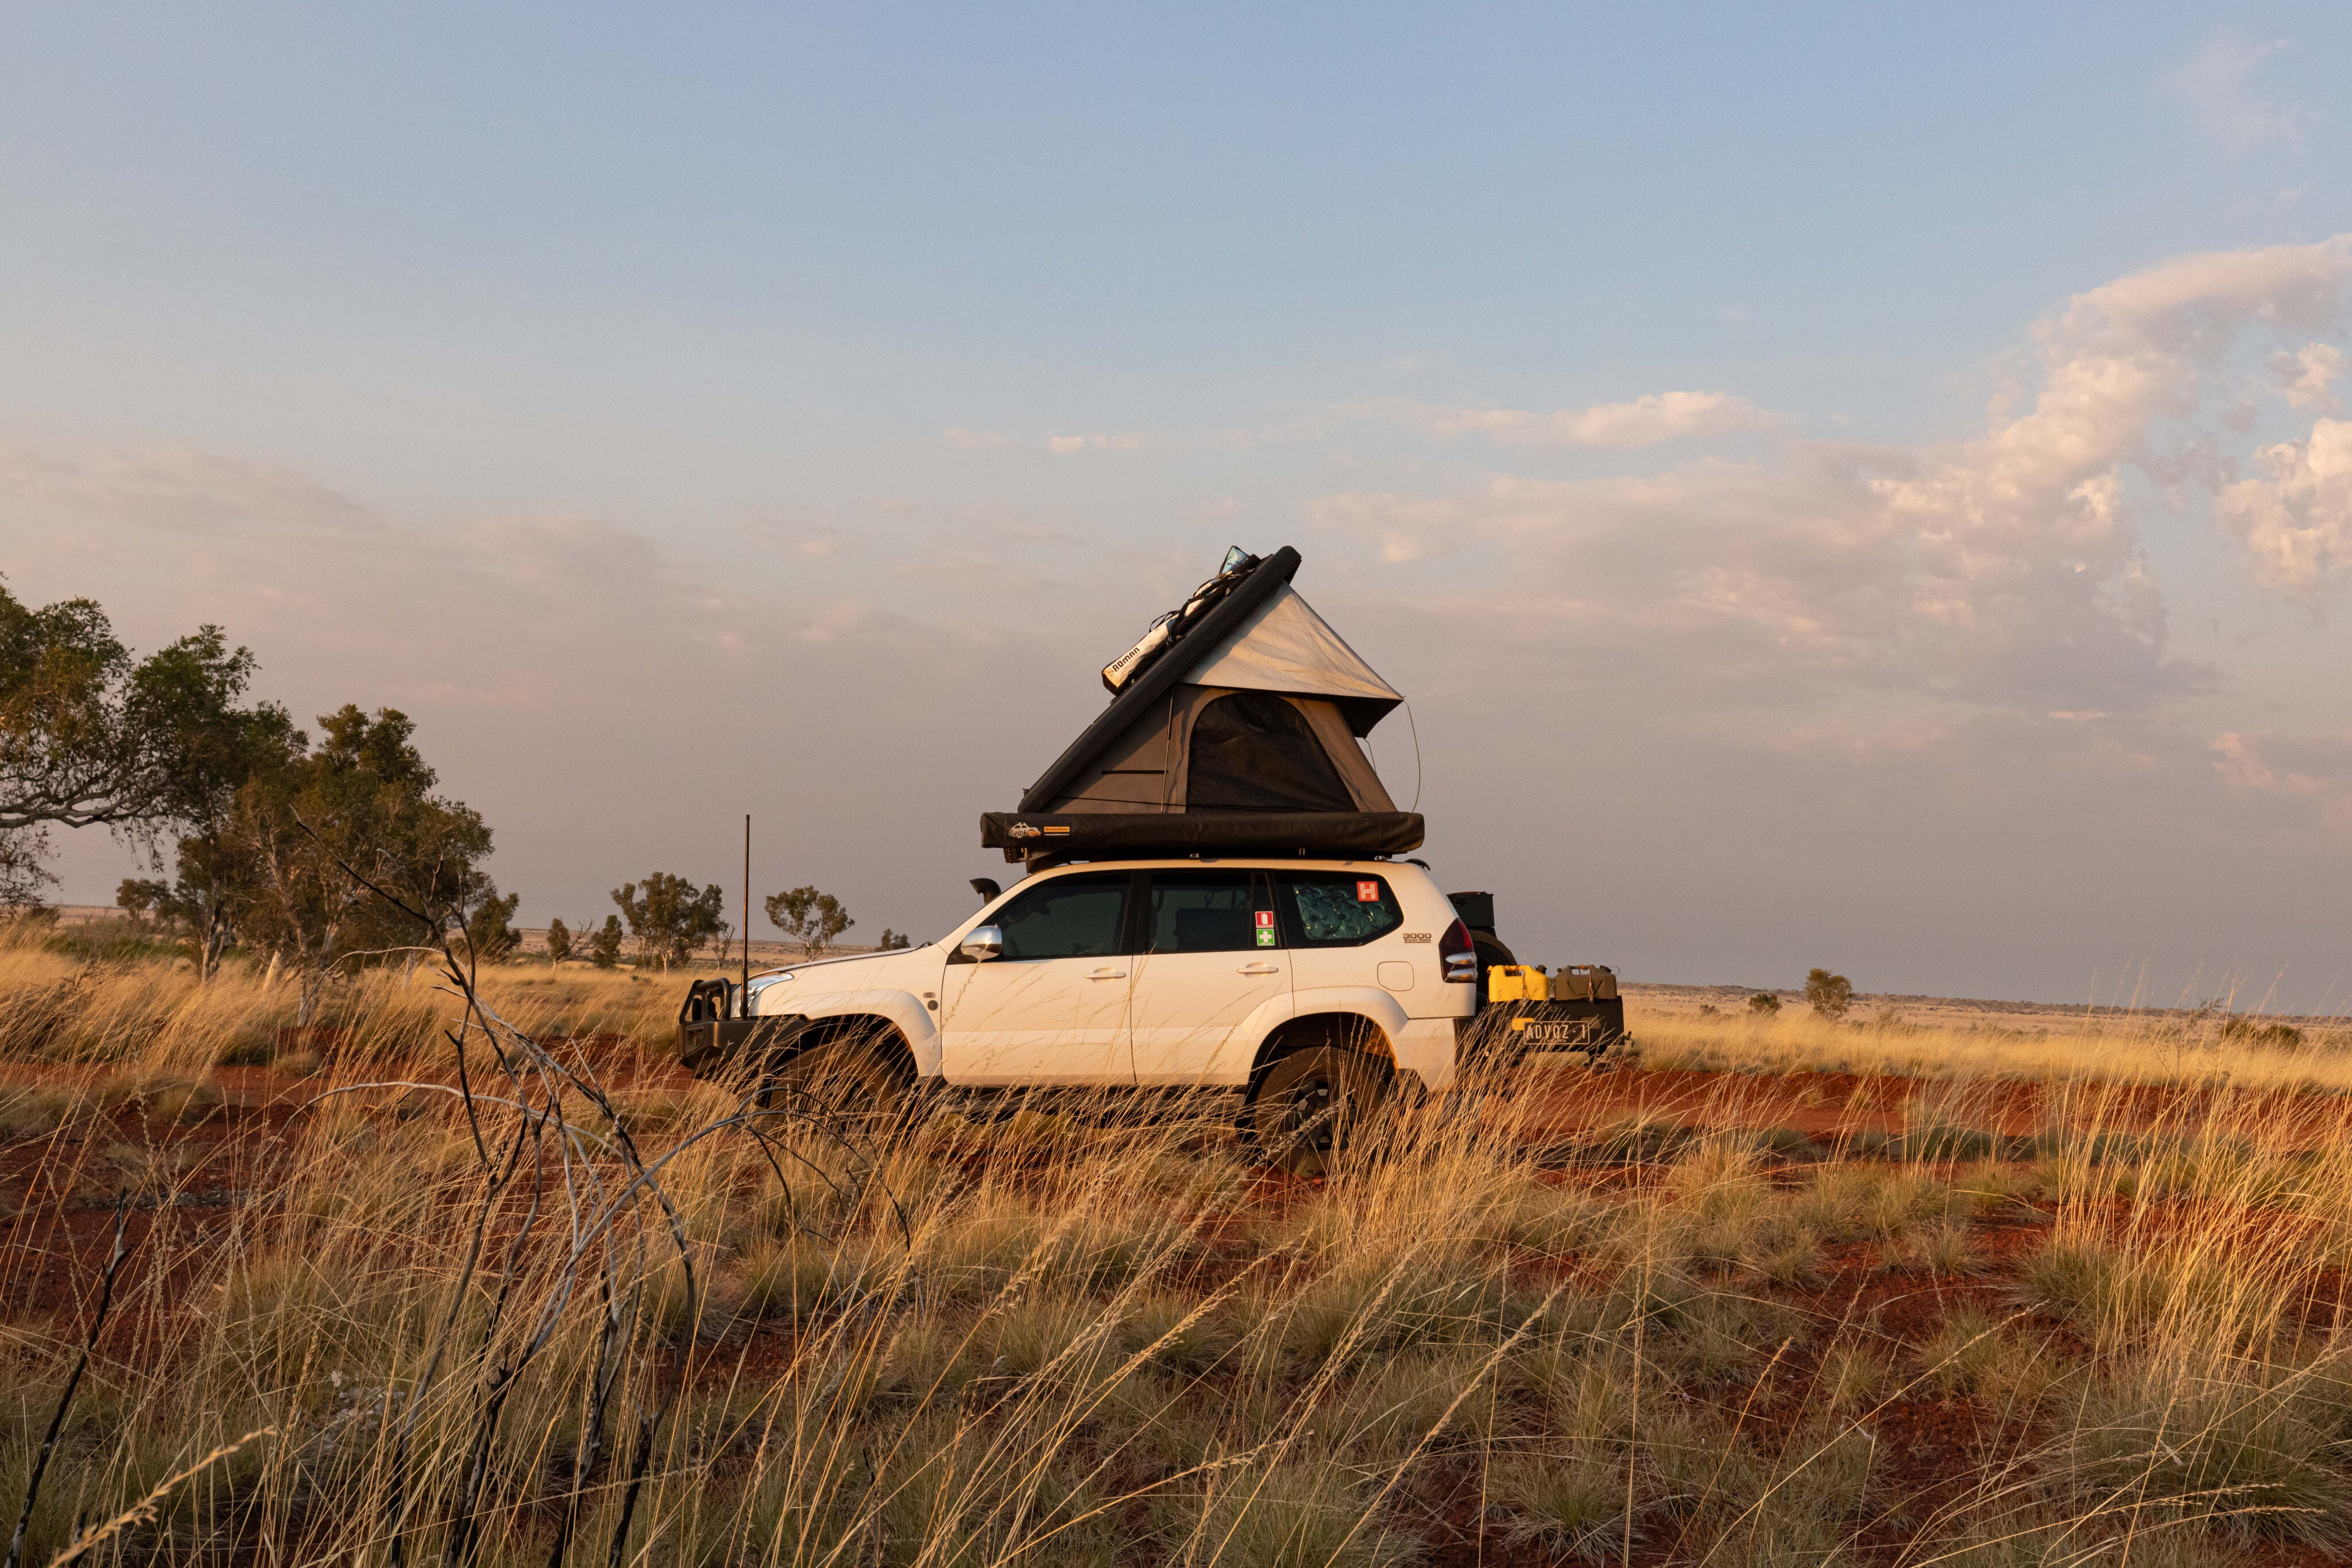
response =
{"points": [[1116, 441], [1059, 445], [2296, 525], [2243, 768], [190, 492], [2217, 87], [1647, 421], [2005, 572], [2316, 779], [2308, 378]]}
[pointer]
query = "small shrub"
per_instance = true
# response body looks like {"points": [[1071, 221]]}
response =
{"points": [[1720, 1339], [1763, 1004], [1945, 1250], [1572, 1505], [1371, 1306], [2219, 1447], [1157, 1323], [1302, 1515], [1853, 1375], [2272, 1036], [37, 1111], [1965, 1351], [2082, 1283], [1786, 1255], [1392, 1409], [250, 1048], [1824, 1475], [800, 1279], [1549, 1220], [176, 1100], [1827, 994], [925, 1363], [1705, 1468], [1040, 1332], [1903, 1201]]}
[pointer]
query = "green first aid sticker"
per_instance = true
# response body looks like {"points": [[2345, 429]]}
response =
{"points": [[1265, 937]]}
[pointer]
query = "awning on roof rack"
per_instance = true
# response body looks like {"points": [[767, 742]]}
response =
{"points": [[1326, 835]]}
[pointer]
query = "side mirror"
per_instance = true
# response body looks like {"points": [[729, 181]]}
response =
{"points": [[985, 942]]}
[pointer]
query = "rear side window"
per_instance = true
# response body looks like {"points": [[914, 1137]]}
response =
{"points": [[1210, 911], [1337, 908], [1079, 916]]}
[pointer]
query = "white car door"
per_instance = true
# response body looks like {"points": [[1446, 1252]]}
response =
{"points": [[1052, 1008], [1331, 917], [1212, 955]]}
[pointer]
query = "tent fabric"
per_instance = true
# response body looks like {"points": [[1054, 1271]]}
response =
{"points": [[1150, 766], [1340, 744], [1145, 695], [1282, 645], [1132, 772], [1333, 835], [1250, 751], [1243, 736]]}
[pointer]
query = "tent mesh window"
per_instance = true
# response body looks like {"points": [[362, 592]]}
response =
{"points": [[1254, 752]]}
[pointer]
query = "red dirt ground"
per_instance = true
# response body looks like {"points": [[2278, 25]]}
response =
{"points": [[1926, 1441]]}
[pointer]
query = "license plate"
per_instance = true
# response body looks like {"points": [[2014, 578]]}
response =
{"points": [[1573, 1033]]}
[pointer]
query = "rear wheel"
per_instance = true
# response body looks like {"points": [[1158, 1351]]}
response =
{"points": [[1315, 1102]]}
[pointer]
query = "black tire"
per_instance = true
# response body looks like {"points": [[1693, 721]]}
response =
{"points": [[1315, 1104], [852, 1085]]}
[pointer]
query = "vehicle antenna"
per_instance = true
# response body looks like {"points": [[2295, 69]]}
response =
{"points": [[747, 900]]}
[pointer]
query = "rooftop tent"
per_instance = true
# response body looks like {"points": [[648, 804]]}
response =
{"points": [[1234, 729]]}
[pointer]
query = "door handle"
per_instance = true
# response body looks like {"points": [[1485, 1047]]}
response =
{"points": [[1261, 969], [1108, 975]]}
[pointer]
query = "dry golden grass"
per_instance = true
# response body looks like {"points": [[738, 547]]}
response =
{"points": [[1046, 1341], [2121, 1047]]}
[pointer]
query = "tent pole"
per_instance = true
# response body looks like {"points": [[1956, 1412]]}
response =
{"points": [[747, 901]]}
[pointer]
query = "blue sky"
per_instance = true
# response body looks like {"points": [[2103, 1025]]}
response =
{"points": [[824, 395]]}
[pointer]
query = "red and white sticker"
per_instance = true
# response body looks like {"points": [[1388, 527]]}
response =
{"points": [[1265, 918], [1368, 893]]}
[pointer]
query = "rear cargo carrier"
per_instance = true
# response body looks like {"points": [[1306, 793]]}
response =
{"points": [[1529, 1012]]}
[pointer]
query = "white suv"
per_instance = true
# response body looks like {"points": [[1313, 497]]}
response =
{"points": [[1309, 986]]}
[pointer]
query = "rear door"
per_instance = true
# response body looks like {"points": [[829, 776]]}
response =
{"points": [[1331, 917], [1213, 954], [1052, 1008]]}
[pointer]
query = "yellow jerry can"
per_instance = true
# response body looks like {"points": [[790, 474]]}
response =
{"points": [[1516, 983]]}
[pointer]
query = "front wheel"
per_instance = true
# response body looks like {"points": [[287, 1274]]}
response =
{"points": [[1315, 1102], [853, 1087]]}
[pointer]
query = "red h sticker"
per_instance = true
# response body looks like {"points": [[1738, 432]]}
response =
{"points": [[1368, 893], [1265, 918]]}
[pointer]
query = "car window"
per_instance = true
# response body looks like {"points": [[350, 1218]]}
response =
{"points": [[1337, 908], [1210, 911], [1069, 917]]}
